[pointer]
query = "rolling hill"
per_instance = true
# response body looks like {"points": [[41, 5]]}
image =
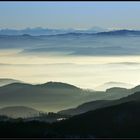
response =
{"points": [[93, 105], [55, 96], [18, 111], [50, 96]]}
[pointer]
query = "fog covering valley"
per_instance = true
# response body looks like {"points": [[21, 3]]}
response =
{"points": [[89, 61], [56, 82], [82, 59]]}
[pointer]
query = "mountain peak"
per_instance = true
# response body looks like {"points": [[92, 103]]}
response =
{"points": [[120, 32], [113, 84], [59, 85]]}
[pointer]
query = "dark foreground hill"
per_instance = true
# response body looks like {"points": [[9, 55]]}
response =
{"points": [[119, 121], [116, 121], [93, 105]]}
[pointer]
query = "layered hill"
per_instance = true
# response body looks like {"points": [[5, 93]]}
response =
{"points": [[116, 121], [50, 96], [56, 96], [18, 111], [93, 105]]}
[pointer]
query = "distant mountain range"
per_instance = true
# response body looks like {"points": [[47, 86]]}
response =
{"points": [[121, 32], [106, 33], [75, 43], [46, 31], [41, 31]]}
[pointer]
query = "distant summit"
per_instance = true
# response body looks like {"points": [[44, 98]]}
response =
{"points": [[26, 35], [120, 32], [58, 85], [112, 84], [46, 31]]}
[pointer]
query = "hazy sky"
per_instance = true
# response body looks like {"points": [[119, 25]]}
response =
{"points": [[70, 14]]}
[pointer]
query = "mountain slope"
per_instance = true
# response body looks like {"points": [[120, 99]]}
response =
{"points": [[50, 96], [119, 42], [93, 105], [18, 111], [118, 121], [55, 96], [85, 107], [110, 122], [6, 81]]}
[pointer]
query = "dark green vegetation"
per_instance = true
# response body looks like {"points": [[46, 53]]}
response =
{"points": [[115, 121], [120, 120], [20, 129]]}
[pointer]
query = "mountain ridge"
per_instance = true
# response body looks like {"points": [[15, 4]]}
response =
{"points": [[80, 32], [56, 96], [6, 81], [93, 105], [47, 31]]}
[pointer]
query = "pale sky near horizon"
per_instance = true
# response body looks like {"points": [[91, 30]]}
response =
{"points": [[70, 14]]}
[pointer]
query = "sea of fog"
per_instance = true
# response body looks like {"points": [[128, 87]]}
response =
{"points": [[86, 61]]}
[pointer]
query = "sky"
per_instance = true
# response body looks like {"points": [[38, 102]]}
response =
{"points": [[79, 15]]}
